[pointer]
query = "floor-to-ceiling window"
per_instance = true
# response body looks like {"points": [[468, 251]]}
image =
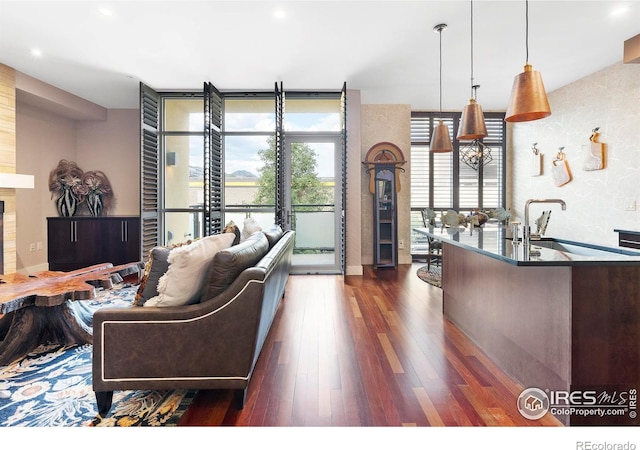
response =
{"points": [[455, 180], [312, 161], [247, 155], [182, 167], [249, 158]]}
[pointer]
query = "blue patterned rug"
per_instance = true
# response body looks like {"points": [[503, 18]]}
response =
{"points": [[51, 387]]}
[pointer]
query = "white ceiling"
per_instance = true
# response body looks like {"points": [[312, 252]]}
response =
{"points": [[386, 49]]}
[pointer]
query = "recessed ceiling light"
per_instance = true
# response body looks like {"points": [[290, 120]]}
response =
{"points": [[106, 12], [280, 14], [36, 53], [619, 11]]}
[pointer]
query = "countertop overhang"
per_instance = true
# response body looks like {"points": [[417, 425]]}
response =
{"points": [[495, 241]]}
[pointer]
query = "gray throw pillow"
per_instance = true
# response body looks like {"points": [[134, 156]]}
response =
{"points": [[229, 263], [273, 235], [156, 266]]}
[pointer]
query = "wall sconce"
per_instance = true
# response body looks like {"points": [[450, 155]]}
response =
{"points": [[171, 158], [16, 181]]}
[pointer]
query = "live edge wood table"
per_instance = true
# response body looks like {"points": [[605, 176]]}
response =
{"points": [[43, 308]]}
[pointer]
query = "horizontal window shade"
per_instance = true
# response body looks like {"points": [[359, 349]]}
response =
{"points": [[419, 176], [420, 130], [213, 189], [441, 180], [150, 232], [150, 111], [149, 168], [494, 173], [150, 163]]}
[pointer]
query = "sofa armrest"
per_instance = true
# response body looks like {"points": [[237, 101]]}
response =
{"points": [[193, 346]]}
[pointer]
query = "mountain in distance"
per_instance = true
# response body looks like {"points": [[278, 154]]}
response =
{"points": [[198, 173], [240, 174]]}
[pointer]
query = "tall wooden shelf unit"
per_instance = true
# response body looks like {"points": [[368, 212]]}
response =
{"points": [[385, 216], [383, 162]]}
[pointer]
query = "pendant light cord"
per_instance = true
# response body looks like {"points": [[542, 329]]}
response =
{"points": [[472, 96], [440, 32], [439, 28], [527, 29]]}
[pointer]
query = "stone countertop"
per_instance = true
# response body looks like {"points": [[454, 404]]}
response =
{"points": [[495, 241]]}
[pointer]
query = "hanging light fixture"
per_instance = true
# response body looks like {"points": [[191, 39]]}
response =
{"points": [[528, 97], [476, 154], [472, 125], [441, 139]]}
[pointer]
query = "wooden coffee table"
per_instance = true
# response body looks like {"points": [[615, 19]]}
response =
{"points": [[43, 308]]}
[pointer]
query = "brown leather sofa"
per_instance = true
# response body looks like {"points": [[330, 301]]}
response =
{"points": [[213, 344]]}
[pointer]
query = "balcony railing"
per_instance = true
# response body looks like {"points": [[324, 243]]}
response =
{"points": [[314, 224]]}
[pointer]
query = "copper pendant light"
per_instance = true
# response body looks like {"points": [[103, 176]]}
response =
{"points": [[472, 124], [528, 96], [441, 139]]}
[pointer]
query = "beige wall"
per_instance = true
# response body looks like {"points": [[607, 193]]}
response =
{"points": [[44, 136], [386, 123], [113, 146], [596, 200], [8, 163], [43, 139]]}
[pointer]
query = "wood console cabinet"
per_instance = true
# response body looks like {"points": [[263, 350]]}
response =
{"points": [[77, 242]]}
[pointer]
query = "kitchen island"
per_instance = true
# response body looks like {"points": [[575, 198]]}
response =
{"points": [[563, 317]]}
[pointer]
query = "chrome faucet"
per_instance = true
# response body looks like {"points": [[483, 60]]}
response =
{"points": [[526, 230]]}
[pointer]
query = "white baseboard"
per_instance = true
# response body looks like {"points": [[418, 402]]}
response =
{"points": [[354, 270]]}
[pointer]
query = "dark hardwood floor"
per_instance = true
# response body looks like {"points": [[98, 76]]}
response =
{"points": [[367, 351]]}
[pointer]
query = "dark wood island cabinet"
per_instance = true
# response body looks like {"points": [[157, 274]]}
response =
{"points": [[82, 241], [562, 317]]}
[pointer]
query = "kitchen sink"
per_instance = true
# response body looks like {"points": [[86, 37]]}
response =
{"points": [[577, 248]]}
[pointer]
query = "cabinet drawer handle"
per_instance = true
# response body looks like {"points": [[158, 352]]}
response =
{"points": [[124, 231], [74, 231]]}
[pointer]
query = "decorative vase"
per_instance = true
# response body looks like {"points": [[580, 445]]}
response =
{"points": [[94, 203], [67, 203]]}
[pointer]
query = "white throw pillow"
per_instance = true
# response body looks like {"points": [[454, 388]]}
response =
{"points": [[249, 227], [188, 265]]}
